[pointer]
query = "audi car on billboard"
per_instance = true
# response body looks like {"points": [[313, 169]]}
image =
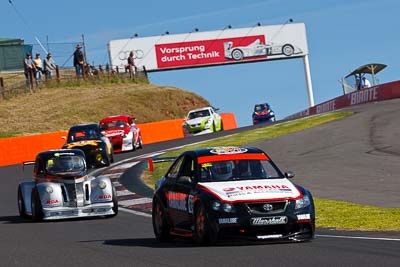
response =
{"points": [[257, 48]]}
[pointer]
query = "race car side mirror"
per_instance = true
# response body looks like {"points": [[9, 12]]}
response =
{"points": [[289, 174], [185, 179]]}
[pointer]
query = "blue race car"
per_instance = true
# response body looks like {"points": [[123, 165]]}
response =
{"points": [[263, 113]]}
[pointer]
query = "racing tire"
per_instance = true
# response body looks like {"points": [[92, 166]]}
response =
{"points": [[112, 156], [115, 203], [203, 233], [140, 142], [287, 50], [237, 54], [161, 227], [36, 206], [21, 204], [133, 143]]}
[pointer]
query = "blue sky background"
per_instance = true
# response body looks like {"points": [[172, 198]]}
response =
{"points": [[341, 34]]}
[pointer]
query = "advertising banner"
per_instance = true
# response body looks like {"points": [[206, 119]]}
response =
{"points": [[376, 93], [199, 49]]}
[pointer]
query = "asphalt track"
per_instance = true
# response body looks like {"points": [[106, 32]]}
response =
{"points": [[353, 159]]}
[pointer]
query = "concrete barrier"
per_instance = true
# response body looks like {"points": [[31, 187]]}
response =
{"points": [[16, 150]]}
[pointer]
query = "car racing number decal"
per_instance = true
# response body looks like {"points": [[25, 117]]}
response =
{"points": [[180, 201], [227, 150]]}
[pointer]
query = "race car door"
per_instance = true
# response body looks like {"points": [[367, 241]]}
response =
{"points": [[182, 200]]}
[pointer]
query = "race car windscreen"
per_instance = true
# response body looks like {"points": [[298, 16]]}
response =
{"points": [[199, 114], [104, 126], [243, 169], [68, 164], [82, 134]]}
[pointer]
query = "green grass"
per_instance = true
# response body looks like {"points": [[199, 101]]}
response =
{"points": [[349, 216], [329, 213]]}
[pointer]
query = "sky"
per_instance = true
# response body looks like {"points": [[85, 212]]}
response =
{"points": [[341, 35]]}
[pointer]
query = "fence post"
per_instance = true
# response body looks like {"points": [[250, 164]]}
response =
{"points": [[57, 73], [145, 72], [1, 87], [108, 71]]}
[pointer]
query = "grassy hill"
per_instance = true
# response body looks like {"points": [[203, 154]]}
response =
{"points": [[57, 108]]}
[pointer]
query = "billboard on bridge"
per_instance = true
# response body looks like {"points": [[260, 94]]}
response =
{"points": [[199, 49]]}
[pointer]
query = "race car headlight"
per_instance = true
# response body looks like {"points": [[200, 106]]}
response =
{"points": [[216, 205], [49, 189], [303, 202], [102, 184], [226, 207]]}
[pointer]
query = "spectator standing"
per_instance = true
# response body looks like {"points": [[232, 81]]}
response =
{"points": [[78, 61], [365, 83], [29, 68], [358, 84], [38, 68], [49, 66], [131, 63]]}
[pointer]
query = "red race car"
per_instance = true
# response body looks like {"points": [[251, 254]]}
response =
{"points": [[122, 132]]}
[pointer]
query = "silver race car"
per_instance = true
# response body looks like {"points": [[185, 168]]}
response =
{"points": [[62, 188]]}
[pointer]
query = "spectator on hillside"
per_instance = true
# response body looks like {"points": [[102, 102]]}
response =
{"points": [[39, 68], [78, 61], [49, 66], [131, 63], [29, 68], [101, 71]]}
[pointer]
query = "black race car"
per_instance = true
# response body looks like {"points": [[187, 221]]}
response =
{"points": [[211, 193], [96, 146]]}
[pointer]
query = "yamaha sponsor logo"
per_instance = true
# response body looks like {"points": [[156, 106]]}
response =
{"points": [[269, 220]]}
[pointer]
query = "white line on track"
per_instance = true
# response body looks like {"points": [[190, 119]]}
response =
{"points": [[135, 212], [361, 237], [125, 193], [136, 201]]}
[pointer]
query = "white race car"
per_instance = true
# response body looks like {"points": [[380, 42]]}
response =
{"points": [[61, 188], [201, 121]]}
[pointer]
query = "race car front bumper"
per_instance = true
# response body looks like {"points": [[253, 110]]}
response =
{"points": [[99, 209], [273, 227]]}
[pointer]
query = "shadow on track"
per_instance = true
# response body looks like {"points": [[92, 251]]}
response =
{"points": [[180, 243]]}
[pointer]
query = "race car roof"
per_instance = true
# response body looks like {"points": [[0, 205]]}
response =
{"points": [[229, 153], [115, 117], [57, 152], [85, 126]]}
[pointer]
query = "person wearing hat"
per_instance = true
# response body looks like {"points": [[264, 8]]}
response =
{"points": [[39, 68], [78, 61], [49, 66]]}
